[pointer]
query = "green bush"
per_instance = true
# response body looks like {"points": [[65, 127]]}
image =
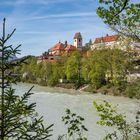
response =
{"points": [[52, 82], [133, 90]]}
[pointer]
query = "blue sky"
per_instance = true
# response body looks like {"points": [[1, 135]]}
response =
{"points": [[42, 23]]}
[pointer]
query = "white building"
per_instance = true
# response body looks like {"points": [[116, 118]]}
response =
{"points": [[104, 41], [78, 41]]}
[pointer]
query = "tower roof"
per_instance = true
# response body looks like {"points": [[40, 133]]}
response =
{"points": [[77, 35]]}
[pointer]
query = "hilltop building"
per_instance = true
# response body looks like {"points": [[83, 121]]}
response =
{"points": [[114, 41], [52, 54], [108, 41], [104, 41], [60, 48], [70, 48]]}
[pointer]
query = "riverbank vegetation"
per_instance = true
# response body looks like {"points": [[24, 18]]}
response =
{"points": [[106, 71]]}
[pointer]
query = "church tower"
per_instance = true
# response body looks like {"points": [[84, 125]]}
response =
{"points": [[78, 40]]}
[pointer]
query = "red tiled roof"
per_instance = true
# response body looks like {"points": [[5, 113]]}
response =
{"points": [[58, 46], [77, 35], [106, 39], [70, 48], [56, 53]]}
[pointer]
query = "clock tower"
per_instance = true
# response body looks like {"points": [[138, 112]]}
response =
{"points": [[78, 41]]}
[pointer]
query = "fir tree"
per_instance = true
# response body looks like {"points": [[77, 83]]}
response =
{"points": [[18, 119]]}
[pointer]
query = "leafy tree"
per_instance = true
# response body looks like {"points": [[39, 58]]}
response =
{"points": [[18, 119], [110, 117], [57, 71], [94, 69], [60, 64], [116, 61], [75, 125], [73, 67], [106, 66], [28, 68], [122, 16], [87, 66], [40, 71], [117, 64]]}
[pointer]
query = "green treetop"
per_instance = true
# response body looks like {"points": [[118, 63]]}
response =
{"points": [[122, 16]]}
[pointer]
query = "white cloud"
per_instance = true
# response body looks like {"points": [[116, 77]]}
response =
{"points": [[67, 15], [26, 2], [30, 32]]}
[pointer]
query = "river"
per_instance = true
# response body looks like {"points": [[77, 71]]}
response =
{"points": [[52, 102]]}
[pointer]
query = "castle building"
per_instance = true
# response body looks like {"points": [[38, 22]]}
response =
{"points": [[78, 41]]}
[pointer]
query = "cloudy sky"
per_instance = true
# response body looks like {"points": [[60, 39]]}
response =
{"points": [[42, 23]]}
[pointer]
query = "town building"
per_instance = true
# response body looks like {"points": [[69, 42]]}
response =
{"points": [[53, 53], [105, 41], [70, 48], [60, 48]]}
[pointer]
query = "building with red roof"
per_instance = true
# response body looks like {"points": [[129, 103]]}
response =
{"points": [[70, 48], [57, 49], [56, 52], [104, 41], [53, 53]]}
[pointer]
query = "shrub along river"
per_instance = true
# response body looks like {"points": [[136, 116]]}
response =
{"points": [[52, 103]]}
